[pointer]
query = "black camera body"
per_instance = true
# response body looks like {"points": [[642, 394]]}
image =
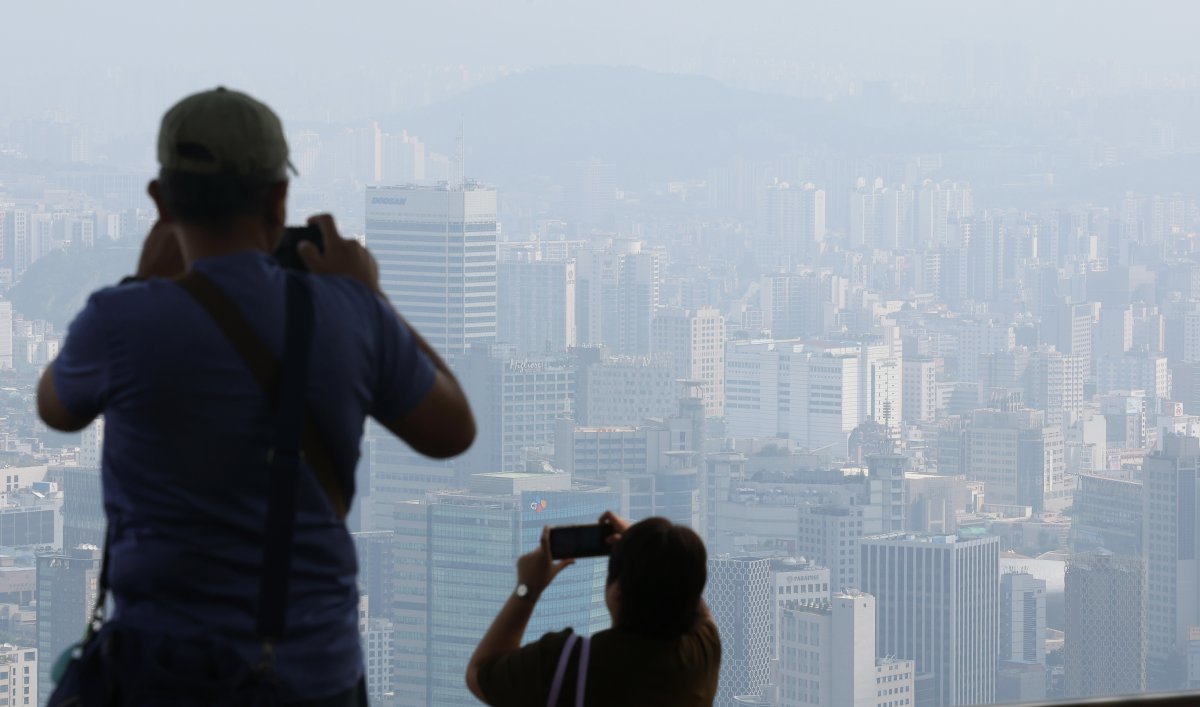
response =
{"points": [[287, 254]]}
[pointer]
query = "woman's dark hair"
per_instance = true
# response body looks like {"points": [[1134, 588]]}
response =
{"points": [[212, 201], [660, 569]]}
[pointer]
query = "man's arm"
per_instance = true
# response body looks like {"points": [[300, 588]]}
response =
{"points": [[51, 408], [441, 425], [535, 570]]}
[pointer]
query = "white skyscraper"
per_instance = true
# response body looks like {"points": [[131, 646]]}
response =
{"points": [[436, 248], [827, 656]]}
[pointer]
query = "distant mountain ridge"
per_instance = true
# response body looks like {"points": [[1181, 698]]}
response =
{"points": [[652, 125]]}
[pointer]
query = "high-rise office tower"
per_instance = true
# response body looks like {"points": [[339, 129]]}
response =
{"points": [[1171, 495], [436, 248], [1105, 649], [535, 302], [1107, 514], [1021, 675], [937, 599], [520, 398], [827, 656], [798, 580], [450, 593], [695, 342], [1017, 456], [622, 391], [83, 516], [740, 593], [67, 584]]}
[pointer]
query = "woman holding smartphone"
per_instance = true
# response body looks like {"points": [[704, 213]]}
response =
{"points": [[663, 647]]}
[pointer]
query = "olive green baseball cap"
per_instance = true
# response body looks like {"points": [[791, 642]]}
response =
{"points": [[223, 132]]}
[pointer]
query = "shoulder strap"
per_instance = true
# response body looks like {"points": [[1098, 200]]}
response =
{"points": [[283, 464], [561, 671], [263, 365], [581, 671]]}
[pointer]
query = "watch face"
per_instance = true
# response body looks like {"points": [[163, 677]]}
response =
{"points": [[522, 590]]}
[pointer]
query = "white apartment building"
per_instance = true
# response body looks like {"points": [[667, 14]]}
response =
{"points": [[18, 675], [694, 341], [920, 390], [813, 393]]}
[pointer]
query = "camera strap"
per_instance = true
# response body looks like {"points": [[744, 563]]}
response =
{"points": [[295, 436]]}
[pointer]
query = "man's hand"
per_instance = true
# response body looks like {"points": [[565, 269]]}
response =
{"points": [[536, 570], [161, 254], [342, 256], [619, 526]]}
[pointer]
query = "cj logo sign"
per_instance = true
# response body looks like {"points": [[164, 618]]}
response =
{"points": [[538, 505]]}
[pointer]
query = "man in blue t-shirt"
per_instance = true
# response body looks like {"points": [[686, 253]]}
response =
{"points": [[188, 426]]}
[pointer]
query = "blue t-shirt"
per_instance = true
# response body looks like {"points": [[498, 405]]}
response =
{"points": [[187, 428]]}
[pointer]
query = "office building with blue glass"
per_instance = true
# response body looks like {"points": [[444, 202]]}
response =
{"points": [[472, 540]]}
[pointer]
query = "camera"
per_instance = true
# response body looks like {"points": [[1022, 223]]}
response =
{"points": [[287, 255], [580, 541]]}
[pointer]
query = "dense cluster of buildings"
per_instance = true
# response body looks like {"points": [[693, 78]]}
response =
{"points": [[940, 454]]}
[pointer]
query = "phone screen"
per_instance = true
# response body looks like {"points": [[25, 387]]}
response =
{"points": [[580, 541]]}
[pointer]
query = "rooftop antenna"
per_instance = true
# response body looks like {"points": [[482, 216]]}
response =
{"points": [[460, 156]]}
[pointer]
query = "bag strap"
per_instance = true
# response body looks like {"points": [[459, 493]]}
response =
{"points": [[263, 365], [581, 671], [561, 671], [585, 643]]}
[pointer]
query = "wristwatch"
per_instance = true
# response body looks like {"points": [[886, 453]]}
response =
{"points": [[523, 591]]}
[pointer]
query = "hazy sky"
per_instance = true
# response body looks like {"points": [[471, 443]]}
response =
{"points": [[118, 65]]}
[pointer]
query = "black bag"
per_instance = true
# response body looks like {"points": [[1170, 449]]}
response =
{"points": [[108, 666]]}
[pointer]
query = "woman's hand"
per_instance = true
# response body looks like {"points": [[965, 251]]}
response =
{"points": [[619, 526], [537, 569]]}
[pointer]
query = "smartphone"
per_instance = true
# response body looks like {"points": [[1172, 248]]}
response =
{"points": [[568, 541], [287, 255]]}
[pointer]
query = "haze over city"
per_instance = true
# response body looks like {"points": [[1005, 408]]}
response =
{"points": [[897, 305]]}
